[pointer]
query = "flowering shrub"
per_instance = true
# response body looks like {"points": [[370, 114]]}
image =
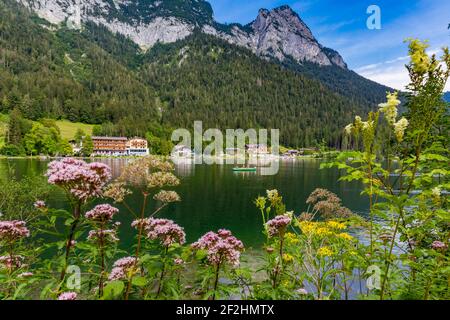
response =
{"points": [[68, 296], [11, 231], [221, 248], [100, 217], [12, 264], [277, 226], [166, 231], [123, 269], [102, 213], [81, 180], [413, 212]]}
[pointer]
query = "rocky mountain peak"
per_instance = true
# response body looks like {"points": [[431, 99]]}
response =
{"points": [[283, 17], [279, 33]]}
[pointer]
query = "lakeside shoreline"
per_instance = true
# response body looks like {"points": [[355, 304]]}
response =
{"points": [[313, 156]]}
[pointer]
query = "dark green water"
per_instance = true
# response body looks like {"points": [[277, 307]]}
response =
{"points": [[215, 197]]}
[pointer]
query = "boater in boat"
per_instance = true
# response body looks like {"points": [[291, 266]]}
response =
{"points": [[244, 169]]}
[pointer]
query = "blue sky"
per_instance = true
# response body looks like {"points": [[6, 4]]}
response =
{"points": [[341, 24]]}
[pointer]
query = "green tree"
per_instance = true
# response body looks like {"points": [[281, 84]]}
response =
{"points": [[42, 140], [17, 128], [88, 146], [160, 146], [65, 148], [12, 150], [79, 135], [97, 130]]}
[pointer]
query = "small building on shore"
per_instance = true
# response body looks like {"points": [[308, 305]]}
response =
{"points": [[110, 146], [256, 149], [137, 147], [119, 146], [76, 147]]}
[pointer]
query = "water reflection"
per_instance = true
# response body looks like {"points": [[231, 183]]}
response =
{"points": [[214, 197]]}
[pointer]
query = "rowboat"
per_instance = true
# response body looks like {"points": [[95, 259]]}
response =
{"points": [[244, 169]]}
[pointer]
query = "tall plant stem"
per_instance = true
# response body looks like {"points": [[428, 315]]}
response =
{"points": [[102, 257], [141, 226], [278, 271], [216, 281], [388, 259], [76, 215], [371, 206], [138, 248], [161, 278]]}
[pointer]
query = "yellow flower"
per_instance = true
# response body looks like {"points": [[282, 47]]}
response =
{"points": [[292, 238], [420, 61], [336, 225], [307, 227], [260, 203], [349, 129], [345, 236], [358, 122], [390, 107], [323, 232], [325, 252], [400, 127], [287, 258], [436, 192], [272, 194]]}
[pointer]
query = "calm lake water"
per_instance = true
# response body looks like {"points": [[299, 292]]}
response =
{"points": [[214, 197]]}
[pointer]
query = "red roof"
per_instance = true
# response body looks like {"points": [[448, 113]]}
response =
{"points": [[110, 138]]}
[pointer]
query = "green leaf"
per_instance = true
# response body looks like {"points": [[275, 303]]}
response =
{"points": [[113, 290], [139, 281], [201, 254]]}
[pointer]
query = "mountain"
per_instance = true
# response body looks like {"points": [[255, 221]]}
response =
{"points": [[279, 33], [205, 78], [82, 70], [61, 73]]}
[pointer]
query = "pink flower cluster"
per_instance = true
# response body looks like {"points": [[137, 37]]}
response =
{"points": [[121, 268], [221, 247], [13, 230], [39, 204], [83, 180], [439, 245], [166, 231], [68, 296], [11, 262], [106, 235], [277, 226], [102, 213]]}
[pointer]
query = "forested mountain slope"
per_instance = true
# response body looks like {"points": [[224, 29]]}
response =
{"points": [[94, 76], [204, 78]]}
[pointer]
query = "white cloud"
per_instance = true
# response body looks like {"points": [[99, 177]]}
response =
{"points": [[394, 77], [391, 73]]}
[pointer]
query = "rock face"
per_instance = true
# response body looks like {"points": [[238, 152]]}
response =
{"points": [[278, 34]]}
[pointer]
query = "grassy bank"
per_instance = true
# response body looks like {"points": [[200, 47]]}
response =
{"points": [[68, 129]]}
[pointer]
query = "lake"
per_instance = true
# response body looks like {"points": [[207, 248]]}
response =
{"points": [[214, 197]]}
